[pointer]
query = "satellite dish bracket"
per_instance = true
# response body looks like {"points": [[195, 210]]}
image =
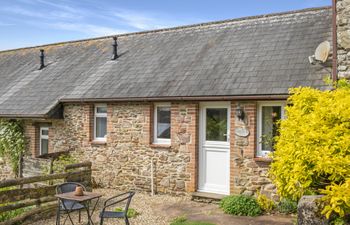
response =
{"points": [[321, 53]]}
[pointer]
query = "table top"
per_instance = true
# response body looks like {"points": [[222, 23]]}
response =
{"points": [[70, 196]]}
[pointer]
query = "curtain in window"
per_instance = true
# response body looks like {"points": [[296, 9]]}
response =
{"points": [[101, 127], [44, 146]]}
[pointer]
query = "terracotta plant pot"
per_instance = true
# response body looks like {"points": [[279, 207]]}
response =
{"points": [[79, 191]]}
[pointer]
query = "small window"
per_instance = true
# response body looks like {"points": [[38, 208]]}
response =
{"points": [[162, 124], [44, 140], [269, 113], [100, 123]]}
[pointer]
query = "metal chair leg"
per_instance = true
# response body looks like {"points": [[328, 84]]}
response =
{"points": [[127, 221], [58, 215], [68, 217]]}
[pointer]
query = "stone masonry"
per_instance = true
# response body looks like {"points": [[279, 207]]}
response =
{"points": [[250, 174], [343, 38], [5, 169], [124, 161]]}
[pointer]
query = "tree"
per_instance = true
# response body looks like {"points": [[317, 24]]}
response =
{"points": [[313, 147]]}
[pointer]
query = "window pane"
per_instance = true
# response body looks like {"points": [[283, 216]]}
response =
{"points": [[101, 109], [101, 127], [270, 115], [45, 132], [216, 125], [163, 122], [44, 146]]}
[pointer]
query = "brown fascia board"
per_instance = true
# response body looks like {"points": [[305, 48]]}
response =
{"points": [[23, 116], [186, 98], [54, 113]]}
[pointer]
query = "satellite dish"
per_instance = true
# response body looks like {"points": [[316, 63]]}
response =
{"points": [[322, 51]]}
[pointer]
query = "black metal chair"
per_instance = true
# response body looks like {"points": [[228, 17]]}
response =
{"points": [[113, 201], [67, 206]]}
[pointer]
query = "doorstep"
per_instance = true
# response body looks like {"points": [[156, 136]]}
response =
{"points": [[207, 197]]}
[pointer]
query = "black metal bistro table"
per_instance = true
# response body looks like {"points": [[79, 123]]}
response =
{"points": [[84, 200]]}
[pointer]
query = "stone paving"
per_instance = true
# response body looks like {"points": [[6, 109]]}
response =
{"points": [[161, 209]]}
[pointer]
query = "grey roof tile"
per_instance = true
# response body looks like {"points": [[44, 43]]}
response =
{"points": [[253, 56]]}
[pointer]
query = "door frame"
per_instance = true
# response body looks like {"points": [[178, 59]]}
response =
{"points": [[202, 110]]}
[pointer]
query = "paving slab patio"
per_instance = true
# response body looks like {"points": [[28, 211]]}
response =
{"points": [[161, 209], [212, 213]]}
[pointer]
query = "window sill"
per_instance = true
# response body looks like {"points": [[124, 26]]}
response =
{"points": [[263, 159], [167, 146], [95, 142], [41, 155]]}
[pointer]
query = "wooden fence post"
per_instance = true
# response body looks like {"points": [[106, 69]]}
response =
{"points": [[20, 165], [36, 195], [51, 169]]}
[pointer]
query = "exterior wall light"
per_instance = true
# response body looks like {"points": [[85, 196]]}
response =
{"points": [[240, 112]]}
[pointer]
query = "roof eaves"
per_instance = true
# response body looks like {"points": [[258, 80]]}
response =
{"points": [[23, 116], [178, 98]]}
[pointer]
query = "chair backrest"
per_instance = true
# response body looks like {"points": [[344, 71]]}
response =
{"points": [[131, 194], [68, 187]]}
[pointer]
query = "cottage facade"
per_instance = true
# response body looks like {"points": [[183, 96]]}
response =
{"points": [[190, 108]]}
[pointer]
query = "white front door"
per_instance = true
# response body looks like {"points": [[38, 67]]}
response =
{"points": [[214, 148]]}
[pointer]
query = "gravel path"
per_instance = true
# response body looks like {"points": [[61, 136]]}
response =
{"points": [[161, 209], [147, 206]]}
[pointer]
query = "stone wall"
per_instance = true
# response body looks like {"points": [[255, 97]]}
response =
{"points": [[343, 38], [5, 169], [124, 161], [309, 211], [250, 174], [34, 166]]}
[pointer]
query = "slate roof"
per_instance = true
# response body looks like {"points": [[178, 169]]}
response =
{"points": [[254, 56]]}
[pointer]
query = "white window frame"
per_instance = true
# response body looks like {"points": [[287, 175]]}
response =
{"points": [[45, 137], [99, 115], [260, 152], [165, 141]]}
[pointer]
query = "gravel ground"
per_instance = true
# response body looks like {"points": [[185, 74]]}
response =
{"points": [[161, 209], [148, 207]]}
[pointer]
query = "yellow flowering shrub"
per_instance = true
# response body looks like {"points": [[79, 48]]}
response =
{"points": [[265, 203], [312, 151], [338, 199]]}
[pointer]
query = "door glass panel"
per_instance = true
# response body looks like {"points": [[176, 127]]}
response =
{"points": [[216, 124]]}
